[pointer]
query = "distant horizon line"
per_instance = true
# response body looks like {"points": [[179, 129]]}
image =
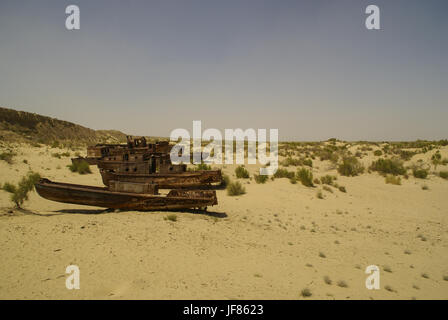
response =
{"points": [[293, 140]]}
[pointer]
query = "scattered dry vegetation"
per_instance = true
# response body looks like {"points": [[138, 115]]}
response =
{"points": [[171, 217], [19, 192], [388, 166], [259, 178], [7, 156], [420, 173], [350, 166], [305, 176], [82, 167], [235, 189], [241, 172], [391, 179]]}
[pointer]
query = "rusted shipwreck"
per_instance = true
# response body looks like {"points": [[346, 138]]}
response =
{"points": [[142, 162], [132, 174], [126, 196], [134, 145]]}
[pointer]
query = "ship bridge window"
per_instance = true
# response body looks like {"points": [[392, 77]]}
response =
{"points": [[126, 157]]}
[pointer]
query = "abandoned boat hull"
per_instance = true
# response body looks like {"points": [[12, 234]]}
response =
{"points": [[101, 197], [89, 160], [166, 180]]}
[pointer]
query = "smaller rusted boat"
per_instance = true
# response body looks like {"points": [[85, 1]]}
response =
{"points": [[89, 160], [171, 180], [126, 196]]}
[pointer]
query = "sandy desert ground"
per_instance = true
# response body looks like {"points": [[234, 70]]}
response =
{"points": [[270, 243]]}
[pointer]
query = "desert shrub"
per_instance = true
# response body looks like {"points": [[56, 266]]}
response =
{"points": [[328, 155], [260, 178], [306, 293], [55, 144], [334, 158], [306, 177], [9, 187], [342, 189], [427, 148], [327, 188], [283, 173], [443, 174], [350, 166], [235, 189], [19, 193], [405, 155], [377, 153], [7, 156], [82, 167], [65, 154], [365, 148], [436, 159], [436, 156], [327, 179], [388, 166], [308, 162], [56, 155], [316, 181], [25, 161], [319, 194], [241, 172], [293, 180], [224, 181], [291, 162], [391, 179], [202, 167], [171, 217], [420, 173]]}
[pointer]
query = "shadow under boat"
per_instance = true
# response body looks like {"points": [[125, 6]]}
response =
{"points": [[106, 211]]}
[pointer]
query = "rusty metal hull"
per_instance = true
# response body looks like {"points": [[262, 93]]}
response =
{"points": [[89, 160], [166, 180], [102, 197]]}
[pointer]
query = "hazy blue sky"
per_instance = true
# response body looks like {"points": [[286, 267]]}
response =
{"points": [[309, 68]]}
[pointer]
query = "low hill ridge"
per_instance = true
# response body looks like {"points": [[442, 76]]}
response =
{"points": [[21, 126]]}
